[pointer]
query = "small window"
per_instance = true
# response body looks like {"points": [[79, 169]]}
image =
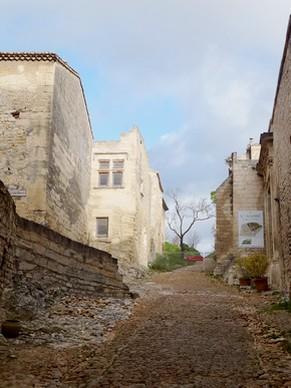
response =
{"points": [[117, 178], [104, 164], [118, 163], [102, 226], [103, 178]]}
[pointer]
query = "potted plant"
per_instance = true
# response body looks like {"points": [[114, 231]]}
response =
{"points": [[245, 278], [256, 266]]}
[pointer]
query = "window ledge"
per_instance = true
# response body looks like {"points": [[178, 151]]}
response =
{"points": [[103, 239], [107, 187]]}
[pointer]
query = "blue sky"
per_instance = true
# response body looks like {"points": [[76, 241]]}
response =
{"points": [[197, 76]]}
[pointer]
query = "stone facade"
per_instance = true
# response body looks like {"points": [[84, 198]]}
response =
{"points": [[32, 252], [45, 141], [240, 195], [7, 233], [224, 218], [127, 196], [47, 157], [266, 170], [275, 167]]}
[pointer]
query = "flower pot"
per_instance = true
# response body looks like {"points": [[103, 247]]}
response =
{"points": [[11, 328], [261, 284], [244, 282]]}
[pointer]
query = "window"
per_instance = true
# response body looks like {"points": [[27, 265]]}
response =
{"points": [[117, 173], [102, 226], [110, 173], [104, 164], [118, 163], [117, 178], [103, 178]]}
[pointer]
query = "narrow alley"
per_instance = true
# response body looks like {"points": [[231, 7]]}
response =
{"points": [[186, 330], [189, 331]]}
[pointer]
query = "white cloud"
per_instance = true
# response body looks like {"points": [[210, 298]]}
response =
{"points": [[216, 61]]}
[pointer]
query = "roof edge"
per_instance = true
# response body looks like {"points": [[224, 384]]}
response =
{"points": [[36, 56], [288, 33], [47, 57]]}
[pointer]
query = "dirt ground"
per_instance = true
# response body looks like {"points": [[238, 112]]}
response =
{"points": [[186, 330]]}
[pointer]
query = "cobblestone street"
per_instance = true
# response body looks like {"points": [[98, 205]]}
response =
{"points": [[187, 330]]}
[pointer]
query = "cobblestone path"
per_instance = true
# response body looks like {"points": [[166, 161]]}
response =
{"points": [[187, 332]]}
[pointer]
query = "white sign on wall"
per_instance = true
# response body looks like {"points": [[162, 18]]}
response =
{"points": [[251, 229], [17, 191]]}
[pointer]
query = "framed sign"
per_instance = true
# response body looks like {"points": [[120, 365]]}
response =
{"points": [[251, 229]]}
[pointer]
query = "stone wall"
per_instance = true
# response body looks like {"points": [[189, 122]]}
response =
{"points": [[7, 233], [25, 115], [280, 126], [157, 217], [247, 194], [273, 228], [47, 257], [45, 141], [33, 253], [242, 191], [69, 161], [134, 209], [224, 219]]}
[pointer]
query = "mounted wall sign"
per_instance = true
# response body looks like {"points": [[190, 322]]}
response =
{"points": [[17, 191], [251, 229]]}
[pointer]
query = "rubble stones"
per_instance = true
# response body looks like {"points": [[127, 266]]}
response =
{"points": [[186, 330]]}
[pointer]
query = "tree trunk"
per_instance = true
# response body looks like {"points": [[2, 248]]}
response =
{"points": [[182, 244]]}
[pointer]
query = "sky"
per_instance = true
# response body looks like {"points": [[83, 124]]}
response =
{"points": [[198, 77]]}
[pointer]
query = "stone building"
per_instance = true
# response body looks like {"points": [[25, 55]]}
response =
{"points": [[126, 207], [275, 168], [45, 141], [239, 209], [272, 186], [47, 155]]}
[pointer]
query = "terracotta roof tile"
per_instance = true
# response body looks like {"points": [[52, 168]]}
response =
{"points": [[35, 56]]}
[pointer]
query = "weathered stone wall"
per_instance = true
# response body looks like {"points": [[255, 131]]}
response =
{"points": [[116, 203], [45, 141], [143, 192], [247, 194], [25, 115], [224, 219], [69, 161], [241, 191], [31, 252], [281, 128], [47, 257], [131, 208], [157, 217], [265, 168], [7, 233]]}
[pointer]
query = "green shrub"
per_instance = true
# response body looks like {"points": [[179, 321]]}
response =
{"points": [[241, 265], [253, 266], [171, 248], [168, 262]]}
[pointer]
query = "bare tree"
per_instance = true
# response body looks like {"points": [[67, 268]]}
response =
{"points": [[185, 214]]}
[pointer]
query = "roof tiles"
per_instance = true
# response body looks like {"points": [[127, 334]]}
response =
{"points": [[35, 56]]}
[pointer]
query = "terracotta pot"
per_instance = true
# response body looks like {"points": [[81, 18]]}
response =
{"points": [[11, 328], [261, 284], [243, 282]]}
